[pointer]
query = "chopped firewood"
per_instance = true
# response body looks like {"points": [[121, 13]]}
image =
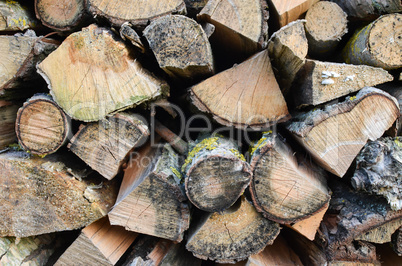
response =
{"points": [[19, 55], [62, 15], [180, 46], [285, 188], [336, 134], [136, 12], [216, 174], [41, 125], [368, 9], [99, 243], [105, 145], [381, 234], [128, 33], [8, 115], [319, 82], [286, 11], [150, 200], [92, 74], [232, 235], [377, 44], [246, 95], [194, 6], [326, 24], [44, 195], [13, 17], [240, 26], [288, 48], [396, 240], [396, 91]]}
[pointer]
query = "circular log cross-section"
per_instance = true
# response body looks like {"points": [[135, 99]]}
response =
{"points": [[216, 174], [42, 127]]}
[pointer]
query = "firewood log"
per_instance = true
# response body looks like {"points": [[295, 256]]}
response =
{"points": [[377, 44], [8, 115], [246, 95], [137, 12], [91, 74], [216, 174], [99, 243], [381, 234], [326, 24], [240, 26], [48, 195], [150, 199], [41, 125], [231, 235], [395, 89], [19, 55], [368, 9], [285, 188], [180, 46], [335, 135], [319, 82], [13, 17], [397, 241], [286, 11], [105, 145], [61, 15]]}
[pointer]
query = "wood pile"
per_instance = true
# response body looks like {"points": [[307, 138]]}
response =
{"points": [[195, 132]]}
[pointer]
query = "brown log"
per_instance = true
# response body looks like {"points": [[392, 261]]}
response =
{"points": [[150, 200], [367, 9], [335, 135], [48, 195], [92, 74], [8, 115], [377, 44], [180, 46], [216, 174], [286, 11], [106, 145], [284, 187], [14, 17], [246, 95], [232, 235], [41, 125]]}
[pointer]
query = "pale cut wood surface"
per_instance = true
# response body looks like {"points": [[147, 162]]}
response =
{"points": [[13, 17], [290, 10], [8, 116]]}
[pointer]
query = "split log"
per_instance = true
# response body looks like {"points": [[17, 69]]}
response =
{"points": [[285, 188], [44, 195], [20, 53], [150, 200], [335, 135], [288, 49], [377, 44], [13, 17], [368, 9], [99, 243], [216, 174], [381, 234], [41, 125], [105, 145], [379, 169], [246, 95], [232, 235], [326, 24], [240, 26], [286, 11], [8, 115], [180, 46], [319, 82], [61, 15], [92, 74], [396, 239], [136, 12]]}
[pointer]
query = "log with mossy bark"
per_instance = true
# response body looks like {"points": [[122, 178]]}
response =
{"points": [[14, 17]]}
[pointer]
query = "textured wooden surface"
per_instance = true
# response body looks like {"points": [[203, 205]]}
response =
{"points": [[13, 17], [368, 9], [287, 11]]}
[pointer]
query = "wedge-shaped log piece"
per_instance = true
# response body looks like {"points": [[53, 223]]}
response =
{"points": [[216, 174], [319, 82], [285, 188], [44, 195], [137, 12], [13, 17], [8, 111], [335, 135], [92, 74], [99, 243], [286, 11], [379, 170], [368, 9], [180, 46], [246, 95], [240, 26], [105, 145], [150, 200], [231, 235], [41, 126], [377, 44]]}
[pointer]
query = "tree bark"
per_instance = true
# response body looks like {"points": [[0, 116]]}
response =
{"points": [[286, 11], [13, 17], [367, 9], [8, 115]]}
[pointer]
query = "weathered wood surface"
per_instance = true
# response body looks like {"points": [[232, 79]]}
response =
{"points": [[8, 115], [92, 74], [286, 11], [13, 17], [395, 89], [368, 9], [128, 33]]}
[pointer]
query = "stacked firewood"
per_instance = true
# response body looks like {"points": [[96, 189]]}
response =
{"points": [[200, 132]]}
